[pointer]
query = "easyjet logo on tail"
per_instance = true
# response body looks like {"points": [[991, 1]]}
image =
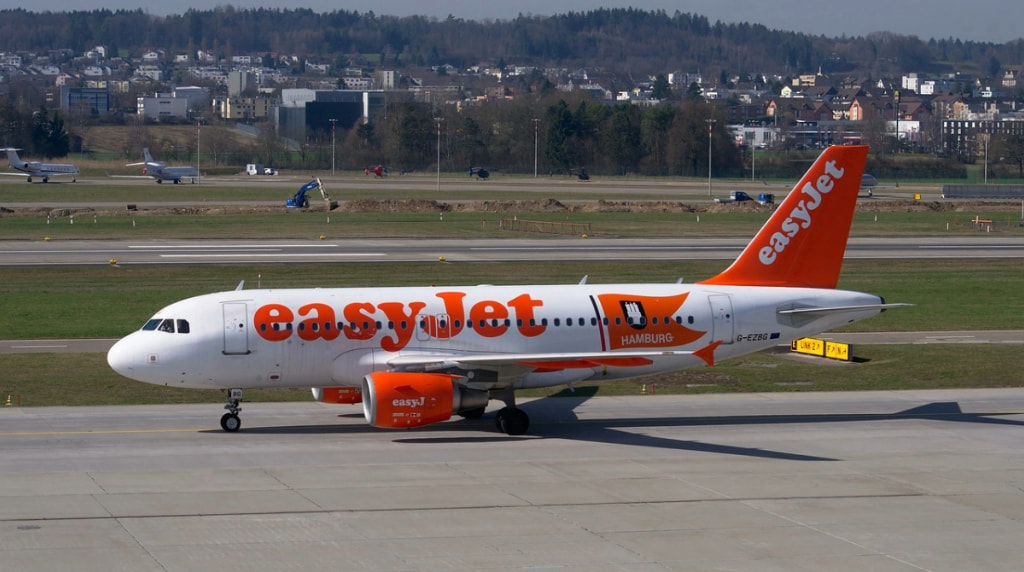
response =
{"points": [[801, 216]]}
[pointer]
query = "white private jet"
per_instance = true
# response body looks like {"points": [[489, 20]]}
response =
{"points": [[44, 171], [419, 355], [161, 172]]}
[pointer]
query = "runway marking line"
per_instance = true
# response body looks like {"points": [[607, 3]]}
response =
{"points": [[100, 432]]}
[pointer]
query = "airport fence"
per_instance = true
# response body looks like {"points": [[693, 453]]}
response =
{"points": [[547, 227]]}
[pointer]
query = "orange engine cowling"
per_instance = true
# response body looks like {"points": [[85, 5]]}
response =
{"points": [[346, 395], [401, 400]]}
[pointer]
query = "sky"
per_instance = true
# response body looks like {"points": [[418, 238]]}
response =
{"points": [[990, 21]]}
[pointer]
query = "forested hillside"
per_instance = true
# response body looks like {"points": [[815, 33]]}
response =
{"points": [[625, 41]]}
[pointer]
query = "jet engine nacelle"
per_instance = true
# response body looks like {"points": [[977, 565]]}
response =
{"points": [[345, 395], [402, 400]]}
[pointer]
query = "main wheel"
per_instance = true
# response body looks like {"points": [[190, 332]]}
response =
{"points": [[230, 422], [512, 421]]}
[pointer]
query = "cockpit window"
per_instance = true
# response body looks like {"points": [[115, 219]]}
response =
{"points": [[167, 325]]}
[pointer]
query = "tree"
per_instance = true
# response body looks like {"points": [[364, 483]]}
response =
{"points": [[661, 88], [48, 135], [623, 141], [1010, 148], [654, 130]]}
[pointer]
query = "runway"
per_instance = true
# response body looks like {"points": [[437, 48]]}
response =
{"points": [[101, 252], [915, 480]]}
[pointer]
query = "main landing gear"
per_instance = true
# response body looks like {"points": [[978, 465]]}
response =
{"points": [[230, 421], [510, 419]]}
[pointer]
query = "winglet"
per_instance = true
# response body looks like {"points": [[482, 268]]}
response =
{"points": [[803, 242]]}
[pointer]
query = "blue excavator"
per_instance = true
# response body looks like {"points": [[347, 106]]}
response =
{"points": [[300, 200]]}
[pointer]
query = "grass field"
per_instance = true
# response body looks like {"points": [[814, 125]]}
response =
{"points": [[104, 301]]}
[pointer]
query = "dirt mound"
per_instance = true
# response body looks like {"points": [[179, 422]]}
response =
{"points": [[603, 206], [910, 206], [389, 205]]}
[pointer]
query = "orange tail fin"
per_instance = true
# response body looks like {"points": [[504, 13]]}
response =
{"points": [[803, 242]]}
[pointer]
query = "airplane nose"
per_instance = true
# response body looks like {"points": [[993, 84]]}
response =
{"points": [[119, 357]]}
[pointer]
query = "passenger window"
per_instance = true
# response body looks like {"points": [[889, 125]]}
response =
{"points": [[183, 326]]}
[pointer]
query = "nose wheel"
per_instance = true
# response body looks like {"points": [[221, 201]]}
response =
{"points": [[230, 421]]}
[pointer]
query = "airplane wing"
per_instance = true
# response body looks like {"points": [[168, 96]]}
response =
{"points": [[128, 176], [521, 363], [10, 174]]}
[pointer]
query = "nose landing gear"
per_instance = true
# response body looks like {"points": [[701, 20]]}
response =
{"points": [[230, 421]]}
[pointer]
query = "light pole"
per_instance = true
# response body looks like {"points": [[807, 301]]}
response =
{"points": [[984, 138], [897, 121], [438, 120], [535, 122], [711, 124], [334, 124], [199, 145], [753, 146]]}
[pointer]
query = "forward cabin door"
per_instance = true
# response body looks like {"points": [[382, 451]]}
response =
{"points": [[236, 330]]}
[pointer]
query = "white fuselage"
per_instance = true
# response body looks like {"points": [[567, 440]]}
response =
{"points": [[38, 169], [161, 172], [320, 337]]}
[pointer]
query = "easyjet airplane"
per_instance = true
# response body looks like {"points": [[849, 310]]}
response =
{"points": [[419, 355]]}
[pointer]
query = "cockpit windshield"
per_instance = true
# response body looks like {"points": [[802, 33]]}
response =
{"points": [[167, 325]]}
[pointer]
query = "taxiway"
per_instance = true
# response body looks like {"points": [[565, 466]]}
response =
{"points": [[911, 480]]}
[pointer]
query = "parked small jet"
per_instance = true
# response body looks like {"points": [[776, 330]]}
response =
{"points": [[44, 171], [419, 355], [161, 172]]}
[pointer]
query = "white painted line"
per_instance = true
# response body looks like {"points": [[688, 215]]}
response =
{"points": [[210, 246], [280, 254], [37, 347]]}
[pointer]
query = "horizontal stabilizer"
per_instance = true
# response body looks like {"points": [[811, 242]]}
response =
{"points": [[841, 309]]}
